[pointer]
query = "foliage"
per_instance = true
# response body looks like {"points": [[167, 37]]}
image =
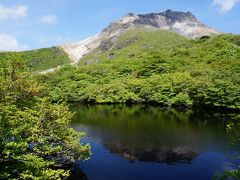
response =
{"points": [[41, 59], [234, 175], [233, 130], [35, 139], [155, 67]]}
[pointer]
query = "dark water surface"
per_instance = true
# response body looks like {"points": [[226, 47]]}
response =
{"points": [[152, 143]]}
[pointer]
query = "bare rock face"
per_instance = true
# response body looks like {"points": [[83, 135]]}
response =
{"points": [[183, 23]]}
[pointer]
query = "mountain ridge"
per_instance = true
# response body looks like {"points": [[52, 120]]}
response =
{"points": [[183, 23]]}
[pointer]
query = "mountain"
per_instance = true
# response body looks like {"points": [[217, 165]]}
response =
{"points": [[168, 58], [154, 67], [185, 24]]}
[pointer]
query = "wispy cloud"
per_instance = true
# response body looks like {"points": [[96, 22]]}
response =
{"points": [[12, 12], [225, 5], [48, 19], [10, 43]]}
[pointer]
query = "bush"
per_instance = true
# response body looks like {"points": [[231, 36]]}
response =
{"points": [[35, 139]]}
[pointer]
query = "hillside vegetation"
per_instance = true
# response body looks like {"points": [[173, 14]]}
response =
{"points": [[40, 59], [145, 66]]}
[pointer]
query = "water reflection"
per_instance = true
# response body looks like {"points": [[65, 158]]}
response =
{"points": [[153, 135], [161, 154], [77, 174]]}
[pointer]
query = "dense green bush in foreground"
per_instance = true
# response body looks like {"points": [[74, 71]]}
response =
{"points": [[155, 67], [35, 139]]}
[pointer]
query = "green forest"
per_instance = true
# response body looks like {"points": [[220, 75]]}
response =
{"points": [[141, 67], [155, 67]]}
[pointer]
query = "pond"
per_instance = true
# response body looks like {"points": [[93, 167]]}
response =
{"points": [[144, 142]]}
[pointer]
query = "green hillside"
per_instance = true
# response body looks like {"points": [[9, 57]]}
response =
{"points": [[145, 66], [41, 59], [134, 45]]}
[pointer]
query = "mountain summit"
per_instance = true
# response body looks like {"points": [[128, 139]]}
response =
{"points": [[183, 23]]}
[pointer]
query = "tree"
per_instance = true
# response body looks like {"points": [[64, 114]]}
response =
{"points": [[35, 139]]}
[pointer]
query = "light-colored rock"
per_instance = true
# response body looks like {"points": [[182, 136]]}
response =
{"points": [[185, 24], [77, 50]]}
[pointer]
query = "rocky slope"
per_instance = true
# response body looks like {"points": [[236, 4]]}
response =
{"points": [[185, 24]]}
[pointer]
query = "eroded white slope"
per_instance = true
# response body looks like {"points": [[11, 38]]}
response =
{"points": [[77, 50]]}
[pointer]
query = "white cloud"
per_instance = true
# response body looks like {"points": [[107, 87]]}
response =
{"points": [[12, 12], [10, 43], [225, 5], [48, 19]]}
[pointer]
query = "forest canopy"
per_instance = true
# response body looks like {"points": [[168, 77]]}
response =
{"points": [[155, 67]]}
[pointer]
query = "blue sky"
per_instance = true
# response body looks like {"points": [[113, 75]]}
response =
{"points": [[29, 24]]}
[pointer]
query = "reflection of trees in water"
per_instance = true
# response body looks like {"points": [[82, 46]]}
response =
{"points": [[105, 114], [78, 174], [152, 134], [158, 154]]}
